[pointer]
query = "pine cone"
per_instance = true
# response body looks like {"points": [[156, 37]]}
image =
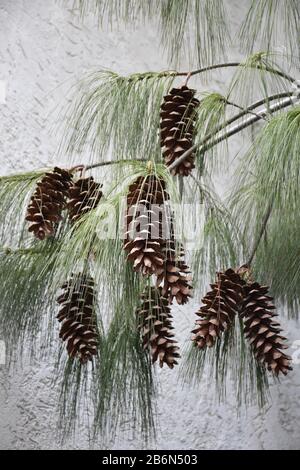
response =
{"points": [[84, 195], [47, 203], [144, 245], [262, 331], [175, 278], [155, 325], [220, 307], [178, 115], [77, 314]]}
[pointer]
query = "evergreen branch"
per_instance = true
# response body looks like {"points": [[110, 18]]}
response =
{"points": [[98, 117], [272, 70], [268, 177], [234, 130], [234, 118], [247, 110], [113, 162]]}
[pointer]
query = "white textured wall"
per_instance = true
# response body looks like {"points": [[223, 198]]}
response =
{"points": [[43, 52]]}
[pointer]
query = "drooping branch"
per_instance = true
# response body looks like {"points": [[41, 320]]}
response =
{"points": [[112, 162], [192, 73], [209, 141], [246, 111], [274, 71], [203, 147]]}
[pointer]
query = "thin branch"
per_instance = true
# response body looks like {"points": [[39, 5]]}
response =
{"points": [[261, 233], [113, 162], [230, 132], [234, 105], [233, 130], [237, 64], [246, 111]]}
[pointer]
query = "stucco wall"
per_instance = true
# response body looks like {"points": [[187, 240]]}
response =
{"points": [[43, 51]]}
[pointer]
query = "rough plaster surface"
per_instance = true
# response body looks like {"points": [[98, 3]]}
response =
{"points": [[43, 51]]}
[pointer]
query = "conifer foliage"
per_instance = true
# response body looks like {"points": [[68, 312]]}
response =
{"points": [[160, 135]]}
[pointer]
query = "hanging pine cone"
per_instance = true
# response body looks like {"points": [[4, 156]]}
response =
{"points": [[262, 331], [78, 317], [155, 325], [84, 196], [144, 245], [220, 307], [175, 278], [178, 115], [47, 203]]}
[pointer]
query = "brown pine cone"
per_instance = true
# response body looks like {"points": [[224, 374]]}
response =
{"points": [[175, 278], [84, 196], [262, 331], [220, 307], [178, 115], [144, 225], [155, 325], [47, 203], [77, 314]]}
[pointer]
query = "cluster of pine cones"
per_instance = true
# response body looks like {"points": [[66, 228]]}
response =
{"points": [[151, 246], [230, 296], [154, 252], [55, 193]]}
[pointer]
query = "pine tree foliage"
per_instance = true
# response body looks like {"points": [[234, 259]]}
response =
{"points": [[101, 107], [266, 20], [272, 190], [196, 29], [25, 294], [260, 75], [119, 117]]}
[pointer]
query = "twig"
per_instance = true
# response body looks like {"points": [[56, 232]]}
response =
{"points": [[237, 64], [245, 111], [208, 141], [203, 147], [113, 162], [261, 233], [234, 105]]}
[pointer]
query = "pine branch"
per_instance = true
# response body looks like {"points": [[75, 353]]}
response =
{"points": [[112, 162], [271, 70], [235, 129]]}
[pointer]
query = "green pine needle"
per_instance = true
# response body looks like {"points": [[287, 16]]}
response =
{"points": [[117, 114], [268, 20]]}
